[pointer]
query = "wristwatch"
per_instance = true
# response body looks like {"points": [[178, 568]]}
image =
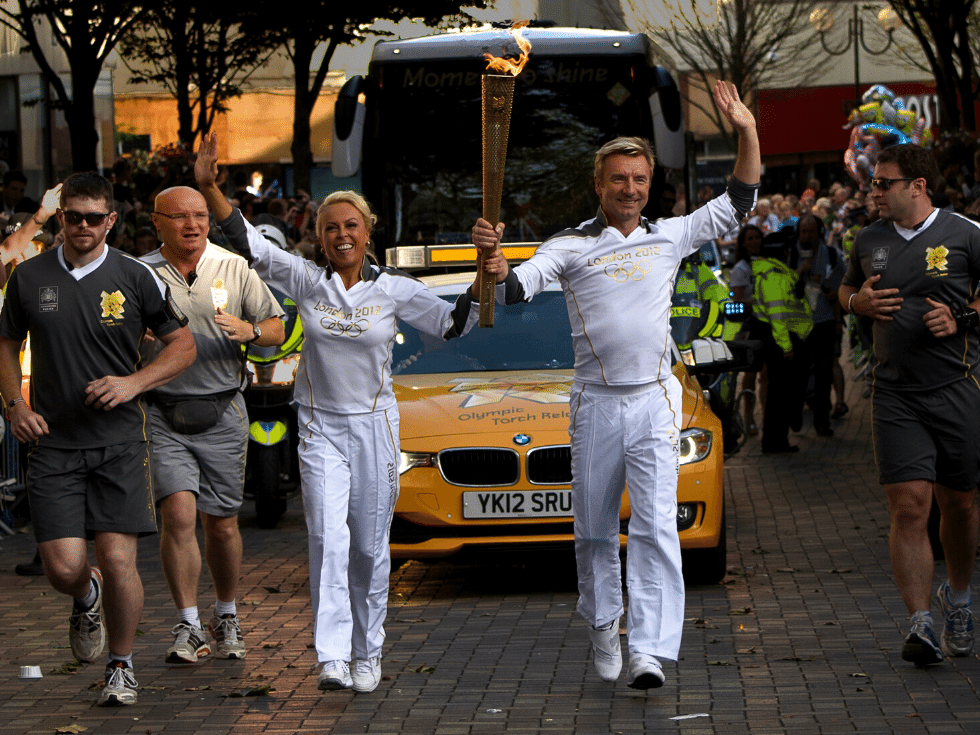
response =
{"points": [[256, 333]]}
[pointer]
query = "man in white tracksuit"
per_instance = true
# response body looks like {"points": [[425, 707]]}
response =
{"points": [[617, 271]]}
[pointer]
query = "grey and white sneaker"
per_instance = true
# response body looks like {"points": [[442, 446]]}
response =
{"points": [[189, 644], [228, 639], [921, 647], [607, 652], [335, 675], [86, 633], [957, 636], [366, 674], [120, 685], [644, 672]]}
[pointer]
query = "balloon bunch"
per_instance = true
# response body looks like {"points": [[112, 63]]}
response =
{"points": [[881, 121]]}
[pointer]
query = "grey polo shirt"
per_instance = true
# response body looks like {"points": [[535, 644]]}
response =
{"points": [[223, 280]]}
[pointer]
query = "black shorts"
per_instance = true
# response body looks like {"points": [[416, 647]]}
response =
{"points": [[76, 492], [928, 435]]}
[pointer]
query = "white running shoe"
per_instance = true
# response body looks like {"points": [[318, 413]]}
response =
{"points": [[607, 652], [120, 685], [645, 672], [366, 674], [957, 636], [228, 639], [86, 633], [189, 644], [921, 647], [335, 675]]}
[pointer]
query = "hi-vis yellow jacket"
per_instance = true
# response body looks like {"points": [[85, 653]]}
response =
{"points": [[776, 303]]}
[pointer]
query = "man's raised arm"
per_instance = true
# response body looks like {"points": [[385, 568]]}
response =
{"points": [[206, 174], [748, 165]]}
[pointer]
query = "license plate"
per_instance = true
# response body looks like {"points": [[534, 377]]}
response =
{"points": [[517, 504]]}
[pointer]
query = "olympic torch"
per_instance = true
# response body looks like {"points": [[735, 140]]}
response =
{"points": [[498, 98]]}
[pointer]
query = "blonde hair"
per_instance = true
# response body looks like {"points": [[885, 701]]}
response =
{"points": [[624, 146], [346, 197]]}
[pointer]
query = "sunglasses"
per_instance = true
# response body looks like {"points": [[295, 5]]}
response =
{"points": [[886, 184], [91, 218]]}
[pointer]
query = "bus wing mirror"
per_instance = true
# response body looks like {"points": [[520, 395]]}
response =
{"points": [[348, 128], [668, 122]]}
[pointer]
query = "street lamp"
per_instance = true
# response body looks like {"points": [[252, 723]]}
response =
{"points": [[822, 21]]}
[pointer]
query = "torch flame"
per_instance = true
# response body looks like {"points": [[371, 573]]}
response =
{"points": [[506, 66]]}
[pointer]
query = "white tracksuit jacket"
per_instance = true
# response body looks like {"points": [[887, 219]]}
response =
{"points": [[348, 424], [626, 409]]}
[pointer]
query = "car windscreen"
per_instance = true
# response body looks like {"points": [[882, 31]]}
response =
{"points": [[525, 336]]}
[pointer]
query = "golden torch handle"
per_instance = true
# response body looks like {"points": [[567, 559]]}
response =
{"points": [[498, 96]]}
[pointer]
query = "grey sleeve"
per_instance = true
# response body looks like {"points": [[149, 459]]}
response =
{"points": [[742, 195], [460, 315], [512, 288], [233, 228]]}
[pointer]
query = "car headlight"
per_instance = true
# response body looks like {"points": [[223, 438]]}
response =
{"points": [[695, 445], [408, 460]]}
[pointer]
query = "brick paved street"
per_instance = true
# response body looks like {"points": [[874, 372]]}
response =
{"points": [[803, 637]]}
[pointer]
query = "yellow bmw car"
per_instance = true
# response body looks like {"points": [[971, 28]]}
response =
{"points": [[485, 459]]}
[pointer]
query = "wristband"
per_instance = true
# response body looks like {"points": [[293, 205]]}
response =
{"points": [[13, 402], [36, 221], [850, 300], [967, 319]]}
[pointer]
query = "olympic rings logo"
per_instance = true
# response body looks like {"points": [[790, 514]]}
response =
{"points": [[627, 271], [349, 329]]}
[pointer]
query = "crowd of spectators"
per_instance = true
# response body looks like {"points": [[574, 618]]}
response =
{"points": [[813, 259], [840, 208], [772, 231], [289, 221]]}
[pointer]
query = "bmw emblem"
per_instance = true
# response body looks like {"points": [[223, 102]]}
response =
{"points": [[522, 440]]}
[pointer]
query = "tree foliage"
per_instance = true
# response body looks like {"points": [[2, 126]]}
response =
{"points": [[201, 53], [86, 31], [337, 24], [752, 43], [947, 33]]}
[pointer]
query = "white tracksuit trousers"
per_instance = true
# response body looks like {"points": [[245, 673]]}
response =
{"points": [[349, 469], [629, 435]]}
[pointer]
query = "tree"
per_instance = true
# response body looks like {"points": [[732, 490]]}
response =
{"points": [[336, 24], [87, 31], [947, 33], [201, 53], [751, 43]]}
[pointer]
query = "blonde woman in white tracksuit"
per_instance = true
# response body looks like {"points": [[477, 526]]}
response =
{"points": [[348, 419]]}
